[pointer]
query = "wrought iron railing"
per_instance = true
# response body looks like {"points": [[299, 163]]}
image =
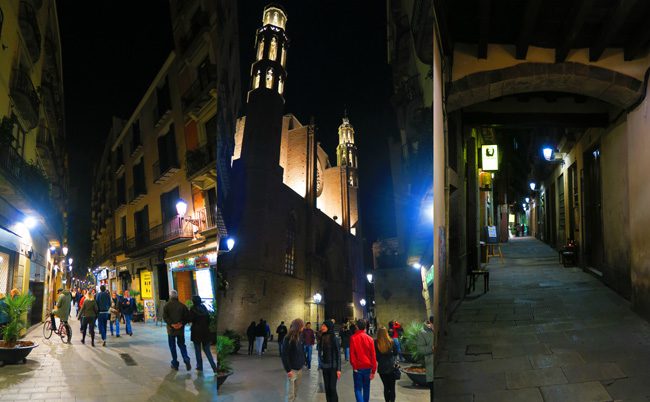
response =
{"points": [[175, 230], [25, 97], [197, 159]]}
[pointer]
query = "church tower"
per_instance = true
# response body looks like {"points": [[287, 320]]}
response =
{"points": [[263, 129], [346, 152]]}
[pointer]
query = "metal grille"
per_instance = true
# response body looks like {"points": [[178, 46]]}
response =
{"points": [[4, 273]]}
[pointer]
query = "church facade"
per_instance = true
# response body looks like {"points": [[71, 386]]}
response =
{"points": [[294, 213]]}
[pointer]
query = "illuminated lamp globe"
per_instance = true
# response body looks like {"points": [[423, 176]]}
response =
{"points": [[317, 298], [30, 222], [230, 243], [416, 265], [369, 276], [532, 185], [362, 302], [527, 200], [548, 153], [181, 207]]}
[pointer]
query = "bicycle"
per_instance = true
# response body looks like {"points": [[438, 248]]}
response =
{"points": [[63, 331]]}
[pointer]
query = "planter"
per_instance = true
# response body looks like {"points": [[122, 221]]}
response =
{"points": [[15, 354], [222, 376], [417, 374]]}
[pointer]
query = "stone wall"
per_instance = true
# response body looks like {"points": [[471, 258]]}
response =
{"points": [[398, 295]]}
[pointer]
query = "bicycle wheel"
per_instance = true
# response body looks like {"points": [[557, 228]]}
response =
{"points": [[63, 332], [47, 329]]}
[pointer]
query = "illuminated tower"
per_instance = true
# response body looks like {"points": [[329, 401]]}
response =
{"points": [[346, 152], [263, 129]]}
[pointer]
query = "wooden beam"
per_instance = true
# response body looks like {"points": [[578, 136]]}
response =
{"points": [[578, 120], [610, 28], [528, 25], [573, 26], [484, 28]]}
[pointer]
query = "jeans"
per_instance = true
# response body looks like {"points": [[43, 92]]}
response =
{"points": [[330, 378], [399, 349], [280, 345], [208, 355], [292, 386], [308, 350], [85, 322], [388, 380], [361, 379], [117, 326], [180, 340], [259, 342], [102, 320], [347, 354], [251, 345], [127, 320]]}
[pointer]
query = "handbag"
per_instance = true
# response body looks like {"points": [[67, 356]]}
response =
{"points": [[397, 373]]}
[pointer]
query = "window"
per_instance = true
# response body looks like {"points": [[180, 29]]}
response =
{"points": [[260, 49], [136, 140], [168, 202], [141, 220], [290, 253], [269, 78], [280, 85], [121, 191], [273, 50], [256, 80], [167, 152], [283, 58], [2, 18]]}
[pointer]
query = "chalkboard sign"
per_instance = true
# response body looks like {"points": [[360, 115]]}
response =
{"points": [[491, 234]]}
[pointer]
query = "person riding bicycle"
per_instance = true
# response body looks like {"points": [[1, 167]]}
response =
{"points": [[62, 310]]}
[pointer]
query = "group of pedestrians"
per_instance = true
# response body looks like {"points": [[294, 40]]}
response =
{"points": [[367, 356], [258, 336]]}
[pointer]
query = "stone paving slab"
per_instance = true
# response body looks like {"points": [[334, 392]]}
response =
{"points": [[535, 378], [581, 392], [522, 395], [593, 372]]}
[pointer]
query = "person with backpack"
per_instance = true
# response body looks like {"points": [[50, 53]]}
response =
{"points": [[293, 358], [282, 332]]}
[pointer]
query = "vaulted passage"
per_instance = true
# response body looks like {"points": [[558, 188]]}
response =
{"points": [[543, 333]]}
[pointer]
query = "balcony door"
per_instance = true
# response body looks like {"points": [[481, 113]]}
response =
{"points": [[141, 219], [170, 219]]}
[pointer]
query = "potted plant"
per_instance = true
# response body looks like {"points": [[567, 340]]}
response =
{"points": [[236, 338], [417, 373], [225, 347], [11, 349]]}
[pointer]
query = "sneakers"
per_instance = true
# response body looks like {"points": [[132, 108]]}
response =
{"points": [[103, 343], [174, 367]]}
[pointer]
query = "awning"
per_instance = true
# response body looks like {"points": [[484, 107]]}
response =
{"points": [[199, 251]]}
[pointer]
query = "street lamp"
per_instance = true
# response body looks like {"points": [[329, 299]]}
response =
{"points": [[181, 207], [527, 200], [317, 299], [532, 185], [548, 153], [362, 302], [65, 250], [416, 265], [369, 276], [230, 243], [30, 222]]}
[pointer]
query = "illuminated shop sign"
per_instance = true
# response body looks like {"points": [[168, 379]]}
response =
{"points": [[199, 262], [490, 154]]}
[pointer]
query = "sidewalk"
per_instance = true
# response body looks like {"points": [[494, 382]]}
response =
{"points": [[77, 372], [544, 333], [262, 379]]}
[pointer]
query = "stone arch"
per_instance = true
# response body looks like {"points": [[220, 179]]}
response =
{"points": [[610, 86]]}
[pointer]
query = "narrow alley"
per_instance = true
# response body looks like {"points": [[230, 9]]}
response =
{"points": [[543, 332]]}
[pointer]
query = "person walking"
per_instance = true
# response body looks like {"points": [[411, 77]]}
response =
{"points": [[260, 330], [82, 299], [103, 300], [127, 308], [345, 334], [397, 332], [293, 358], [267, 335], [386, 351], [250, 333], [329, 358], [63, 306], [424, 345], [200, 333], [88, 315], [115, 314], [175, 314], [282, 332], [309, 339], [363, 360]]}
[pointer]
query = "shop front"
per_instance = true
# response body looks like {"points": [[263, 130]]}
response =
{"points": [[194, 275]]}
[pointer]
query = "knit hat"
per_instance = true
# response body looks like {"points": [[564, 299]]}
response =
{"points": [[329, 324]]}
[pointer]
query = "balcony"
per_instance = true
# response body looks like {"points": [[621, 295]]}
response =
{"points": [[29, 29], [201, 92], [191, 41], [159, 236], [206, 219], [198, 161], [162, 173], [119, 202], [25, 98], [136, 193], [47, 152], [51, 101], [26, 187]]}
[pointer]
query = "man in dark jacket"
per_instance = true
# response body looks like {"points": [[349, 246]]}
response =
{"points": [[103, 300], [281, 331], [176, 315], [127, 308], [201, 337]]}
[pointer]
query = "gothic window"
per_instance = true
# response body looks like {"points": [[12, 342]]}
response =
{"points": [[280, 85], [260, 49], [351, 159], [290, 252], [256, 80], [269, 78], [283, 57], [273, 50]]}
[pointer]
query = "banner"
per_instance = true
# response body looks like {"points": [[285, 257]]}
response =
{"points": [[145, 285]]}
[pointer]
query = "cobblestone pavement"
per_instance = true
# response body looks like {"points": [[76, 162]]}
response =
{"points": [[77, 372], [544, 333], [263, 379]]}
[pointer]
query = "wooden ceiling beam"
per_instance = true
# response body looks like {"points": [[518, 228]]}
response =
{"points": [[611, 28], [573, 26], [527, 28], [484, 28]]}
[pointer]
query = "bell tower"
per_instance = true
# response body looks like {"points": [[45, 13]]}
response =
{"points": [[346, 152], [265, 105]]}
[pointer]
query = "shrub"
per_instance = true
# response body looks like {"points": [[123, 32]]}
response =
{"points": [[409, 340], [225, 347], [236, 338], [15, 307]]}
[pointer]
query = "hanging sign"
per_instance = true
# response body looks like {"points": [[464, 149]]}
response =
{"points": [[490, 157]]}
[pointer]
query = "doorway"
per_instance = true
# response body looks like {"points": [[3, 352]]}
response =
{"points": [[163, 282], [593, 209]]}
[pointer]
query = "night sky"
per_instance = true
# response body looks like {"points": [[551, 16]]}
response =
{"points": [[336, 60]]}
